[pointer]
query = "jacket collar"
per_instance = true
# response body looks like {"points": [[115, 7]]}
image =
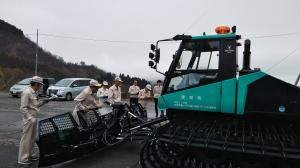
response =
{"points": [[116, 86], [31, 90], [89, 90]]}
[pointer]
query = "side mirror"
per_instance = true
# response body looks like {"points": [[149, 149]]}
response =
{"points": [[157, 55], [151, 64], [151, 56], [74, 85], [152, 47]]}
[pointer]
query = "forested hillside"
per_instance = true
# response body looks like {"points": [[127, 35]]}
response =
{"points": [[17, 59]]}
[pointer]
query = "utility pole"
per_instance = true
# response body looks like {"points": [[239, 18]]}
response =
{"points": [[36, 51], [297, 81]]}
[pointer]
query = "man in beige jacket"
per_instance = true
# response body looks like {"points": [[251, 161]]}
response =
{"points": [[145, 96], [86, 100], [156, 93], [134, 92], [30, 107], [114, 92]]}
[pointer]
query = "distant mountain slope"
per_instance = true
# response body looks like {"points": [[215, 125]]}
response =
{"points": [[17, 59]]}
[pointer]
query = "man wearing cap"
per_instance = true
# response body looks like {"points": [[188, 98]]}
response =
{"points": [[86, 100], [102, 94], [114, 92], [144, 96], [134, 92], [157, 89], [103, 91], [30, 105]]}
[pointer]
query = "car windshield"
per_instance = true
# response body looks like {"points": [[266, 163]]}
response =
{"points": [[63, 83], [25, 81]]}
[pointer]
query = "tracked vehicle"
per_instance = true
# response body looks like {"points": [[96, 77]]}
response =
{"points": [[220, 115]]}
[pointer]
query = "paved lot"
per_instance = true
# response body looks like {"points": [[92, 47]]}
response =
{"points": [[122, 156]]}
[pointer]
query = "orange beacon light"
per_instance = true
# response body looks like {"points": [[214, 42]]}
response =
{"points": [[222, 30]]}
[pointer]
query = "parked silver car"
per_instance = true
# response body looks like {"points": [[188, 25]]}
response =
{"points": [[68, 88], [17, 89]]}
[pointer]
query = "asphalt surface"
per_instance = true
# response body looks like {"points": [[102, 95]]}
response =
{"points": [[124, 155]]}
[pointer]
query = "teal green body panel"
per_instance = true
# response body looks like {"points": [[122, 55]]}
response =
{"points": [[243, 83], [228, 98], [203, 98], [213, 36], [161, 104]]}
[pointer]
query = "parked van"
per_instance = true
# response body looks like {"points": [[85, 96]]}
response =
{"points": [[68, 88], [17, 89]]}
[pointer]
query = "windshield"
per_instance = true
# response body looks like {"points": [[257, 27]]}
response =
{"points": [[198, 63], [25, 81], [63, 83], [199, 56]]}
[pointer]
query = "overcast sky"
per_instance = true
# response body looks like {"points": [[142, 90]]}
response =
{"points": [[140, 20]]}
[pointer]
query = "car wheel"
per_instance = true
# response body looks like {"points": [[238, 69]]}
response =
{"points": [[15, 96], [69, 97]]}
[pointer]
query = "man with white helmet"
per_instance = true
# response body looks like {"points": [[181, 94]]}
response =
{"points": [[30, 106], [144, 96], [85, 101], [114, 92]]}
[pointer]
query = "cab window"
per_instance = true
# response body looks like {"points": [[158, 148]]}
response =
{"points": [[197, 64]]}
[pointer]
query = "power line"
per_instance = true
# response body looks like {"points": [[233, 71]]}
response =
{"points": [[91, 39], [274, 35], [148, 42], [284, 58], [194, 23]]}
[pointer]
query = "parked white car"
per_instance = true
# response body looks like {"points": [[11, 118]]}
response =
{"points": [[68, 88]]}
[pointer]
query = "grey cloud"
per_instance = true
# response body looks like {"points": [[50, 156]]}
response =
{"points": [[138, 20]]}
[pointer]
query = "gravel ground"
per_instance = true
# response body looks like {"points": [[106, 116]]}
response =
{"points": [[122, 156]]}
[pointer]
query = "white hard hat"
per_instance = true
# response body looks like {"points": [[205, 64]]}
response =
{"points": [[105, 83], [93, 82], [37, 79], [118, 79], [148, 86]]}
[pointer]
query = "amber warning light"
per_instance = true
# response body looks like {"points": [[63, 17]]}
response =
{"points": [[222, 30]]}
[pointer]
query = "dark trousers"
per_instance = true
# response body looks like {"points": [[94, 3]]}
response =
{"points": [[134, 100], [156, 107]]}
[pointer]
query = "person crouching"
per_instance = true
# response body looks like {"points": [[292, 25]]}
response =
{"points": [[85, 101]]}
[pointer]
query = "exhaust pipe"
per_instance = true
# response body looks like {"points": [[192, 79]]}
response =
{"points": [[247, 54]]}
